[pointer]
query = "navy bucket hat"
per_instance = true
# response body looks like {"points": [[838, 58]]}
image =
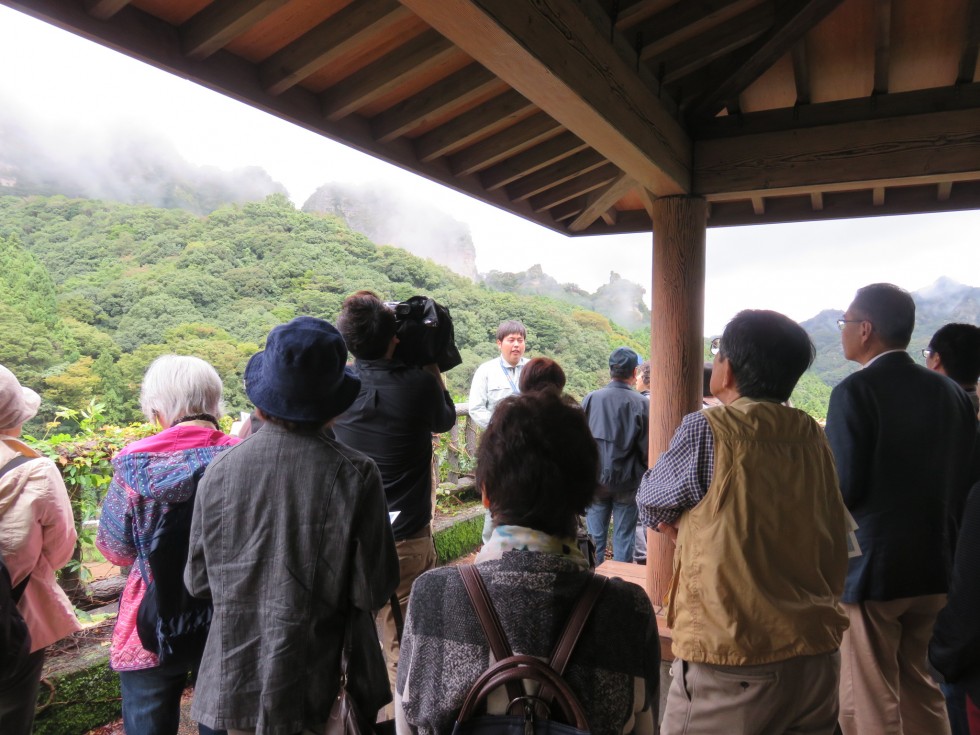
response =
{"points": [[301, 375]]}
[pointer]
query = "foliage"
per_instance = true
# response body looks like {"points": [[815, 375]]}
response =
{"points": [[459, 539], [84, 461], [74, 703]]}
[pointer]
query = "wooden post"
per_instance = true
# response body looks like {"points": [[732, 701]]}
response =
{"points": [[677, 346]]}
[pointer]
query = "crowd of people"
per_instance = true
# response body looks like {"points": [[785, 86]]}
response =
{"points": [[823, 580]]}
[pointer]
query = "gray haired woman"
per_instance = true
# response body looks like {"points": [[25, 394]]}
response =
{"points": [[151, 478]]}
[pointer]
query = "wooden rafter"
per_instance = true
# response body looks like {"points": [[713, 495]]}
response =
{"points": [[104, 9], [801, 73], [546, 154], [490, 117], [590, 181], [557, 173], [601, 200], [509, 142], [459, 88], [221, 22], [968, 61], [637, 12], [944, 190], [685, 21], [425, 51], [352, 27], [883, 35], [793, 19], [714, 44], [555, 56]]}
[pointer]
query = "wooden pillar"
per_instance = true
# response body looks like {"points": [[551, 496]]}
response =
{"points": [[677, 346]]}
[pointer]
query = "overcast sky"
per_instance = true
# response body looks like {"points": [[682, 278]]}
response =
{"points": [[54, 80]]}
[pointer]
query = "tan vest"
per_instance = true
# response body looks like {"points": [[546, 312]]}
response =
{"points": [[760, 561]]}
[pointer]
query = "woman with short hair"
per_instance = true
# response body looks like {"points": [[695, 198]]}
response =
{"points": [[152, 477], [538, 468]]}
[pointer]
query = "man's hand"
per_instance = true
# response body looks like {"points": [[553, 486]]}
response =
{"points": [[669, 529]]}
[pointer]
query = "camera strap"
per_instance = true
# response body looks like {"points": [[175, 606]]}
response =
{"points": [[513, 388]]}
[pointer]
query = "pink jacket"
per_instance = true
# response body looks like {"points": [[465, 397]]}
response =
{"points": [[37, 537]]}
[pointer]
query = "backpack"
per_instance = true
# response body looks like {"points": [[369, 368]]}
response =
{"points": [[170, 622], [15, 639], [553, 709]]}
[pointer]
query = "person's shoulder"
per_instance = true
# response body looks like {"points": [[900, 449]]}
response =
{"points": [[351, 459]]}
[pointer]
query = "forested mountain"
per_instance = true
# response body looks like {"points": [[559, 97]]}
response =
{"points": [[943, 302], [92, 291]]}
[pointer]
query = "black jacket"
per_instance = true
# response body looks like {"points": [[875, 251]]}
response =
{"points": [[902, 437]]}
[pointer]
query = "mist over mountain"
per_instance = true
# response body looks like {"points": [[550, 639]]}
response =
{"points": [[388, 217], [122, 165], [939, 303], [619, 300]]}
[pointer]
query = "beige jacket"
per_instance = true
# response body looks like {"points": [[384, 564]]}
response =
{"points": [[37, 537], [760, 561]]}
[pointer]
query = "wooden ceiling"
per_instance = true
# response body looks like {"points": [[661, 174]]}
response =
{"points": [[577, 113]]}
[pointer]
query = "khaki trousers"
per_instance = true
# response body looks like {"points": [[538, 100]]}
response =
{"points": [[415, 555], [798, 695], [885, 687]]}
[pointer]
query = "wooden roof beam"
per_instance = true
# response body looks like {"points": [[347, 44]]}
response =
{"points": [[554, 55], [793, 19], [480, 122], [352, 27], [556, 173], [590, 181], [685, 21], [509, 142], [839, 205], [601, 201], [457, 89], [104, 9], [884, 107], [425, 51], [219, 23], [914, 149], [510, 170], [715, 44], [883, 35], [943, 190], [968, 61]]}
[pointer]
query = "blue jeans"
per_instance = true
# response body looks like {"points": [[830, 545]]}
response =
{"points": [[151, 700], [624, 527]]}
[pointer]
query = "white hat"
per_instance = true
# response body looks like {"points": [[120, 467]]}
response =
{"points": [[17, 403]]}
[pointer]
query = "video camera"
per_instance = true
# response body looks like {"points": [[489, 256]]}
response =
{"points": [[425, 333]]}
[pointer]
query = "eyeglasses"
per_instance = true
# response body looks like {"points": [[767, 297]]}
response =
{"points": [[927, 353], [715, 346], [842, 322]]}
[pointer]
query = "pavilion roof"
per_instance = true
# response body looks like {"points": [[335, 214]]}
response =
{"points": [[577, 113]]}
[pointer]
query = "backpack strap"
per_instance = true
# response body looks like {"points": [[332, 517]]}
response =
{"points": [[489, 621], [17, 592], [576, 621], [14, 463]]}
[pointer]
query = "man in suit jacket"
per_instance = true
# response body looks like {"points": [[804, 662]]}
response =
{"points": [[902, 439]]}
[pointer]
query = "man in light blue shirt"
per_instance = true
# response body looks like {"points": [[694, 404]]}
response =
{"points": [[496, 379]]}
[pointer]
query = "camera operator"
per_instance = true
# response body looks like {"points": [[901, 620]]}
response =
{"points": [[392, 420]]}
